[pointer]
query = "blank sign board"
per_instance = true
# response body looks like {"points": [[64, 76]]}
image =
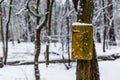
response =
{"points": [[82, 41]]}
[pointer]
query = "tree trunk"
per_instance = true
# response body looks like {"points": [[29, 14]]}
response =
{"points": [[105, 27], [85, 68], [7, 34], [37, 46], [49, 31], [112, 39], [94, 71], [37, 40], [37, 53], [2, 35], [2, 31], [55, 17], [68, 27], [98, 37], [112, 36]]}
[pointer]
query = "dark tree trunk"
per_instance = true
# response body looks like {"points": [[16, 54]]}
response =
{"points": [[2, 31], [37, 53], [98, 37], [37, 46], [83, 70], [112, 39], [50, 4], [68, 27], [86, 69], [2, 36], [7, 34], [94, 71], [75, 2], [105, 27], [37, 39]]}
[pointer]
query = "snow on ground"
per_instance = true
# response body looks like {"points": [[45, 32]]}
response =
{"points": [[109, 70], [52, 72]]}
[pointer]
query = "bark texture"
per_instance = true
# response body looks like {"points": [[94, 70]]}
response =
{"points": [[86, 70]]}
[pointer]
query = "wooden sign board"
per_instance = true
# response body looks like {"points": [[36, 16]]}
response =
{"points": [[82, 41]]}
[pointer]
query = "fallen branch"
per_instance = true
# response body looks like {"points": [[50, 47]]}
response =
{"points": [[109, 57], [29, 63], [100, 58]]}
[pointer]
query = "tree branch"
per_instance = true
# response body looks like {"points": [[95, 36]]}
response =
{"points": [[103, 8], [109, 57], [32, 12], [1, 2], [27, 7], [100, 58]]}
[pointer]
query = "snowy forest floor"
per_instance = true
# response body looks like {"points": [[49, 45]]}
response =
{"points": [[109, 70]]}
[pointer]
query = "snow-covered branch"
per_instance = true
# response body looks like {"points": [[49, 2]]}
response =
{"points": [[110, 19], [33, 13], [19, 12], [66, 15], [24, 8], [96, 17], [38, 26], [27, 7], [103, 8]]}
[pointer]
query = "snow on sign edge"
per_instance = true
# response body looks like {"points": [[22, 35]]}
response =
{"points": [[80, 24]]}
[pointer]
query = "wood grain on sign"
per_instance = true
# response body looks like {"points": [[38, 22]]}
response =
{"points": [[82, 42]]}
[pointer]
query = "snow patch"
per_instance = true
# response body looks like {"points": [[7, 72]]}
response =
{"points": [[81, 24]]}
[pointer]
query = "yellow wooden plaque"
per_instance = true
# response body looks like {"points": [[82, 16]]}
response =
{"points": [[82, 42]]}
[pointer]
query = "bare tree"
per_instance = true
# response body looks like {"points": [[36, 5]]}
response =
{"points": [[49, 31], [6, 37], [38, 30]]}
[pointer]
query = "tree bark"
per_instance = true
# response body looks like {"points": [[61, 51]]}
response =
{"points": [[7, 34], [86, 70], [83, 70], [50, 4], [37, 46], [94, 69]]}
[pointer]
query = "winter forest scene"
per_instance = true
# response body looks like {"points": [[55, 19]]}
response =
{"points": [[59, 39]]}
